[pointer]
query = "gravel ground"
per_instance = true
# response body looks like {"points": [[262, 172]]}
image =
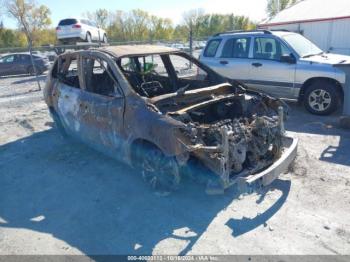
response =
{"points": [[60, 197]]}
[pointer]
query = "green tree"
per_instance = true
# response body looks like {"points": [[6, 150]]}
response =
{"points": [[139, 25], [116, 28], [209, 24], [100, 17], [275, 6], [29, 16], [180, 33], [7, 37], [160, 28], [192, 20]]}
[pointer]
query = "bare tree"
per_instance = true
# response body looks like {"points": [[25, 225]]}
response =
{"points": [[30, 18], [99, 16], [192, 20]]}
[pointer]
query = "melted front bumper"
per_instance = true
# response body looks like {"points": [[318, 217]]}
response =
{"points": [[247, 183]]}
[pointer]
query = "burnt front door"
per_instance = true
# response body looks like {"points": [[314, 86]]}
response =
{"points": [[101, 106]]}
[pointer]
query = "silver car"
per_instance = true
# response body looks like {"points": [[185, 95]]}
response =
{"points": [[281, 63]]}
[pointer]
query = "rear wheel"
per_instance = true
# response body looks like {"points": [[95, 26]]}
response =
{"points": [[160, 172], [88, 38], [105, 40], [31, 71], [321, 98]]}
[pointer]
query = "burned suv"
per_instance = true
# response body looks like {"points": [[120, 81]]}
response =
{"points": [[164, 112]]}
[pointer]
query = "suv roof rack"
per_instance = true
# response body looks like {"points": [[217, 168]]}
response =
{"points": [[281, 30], [244, 31]]}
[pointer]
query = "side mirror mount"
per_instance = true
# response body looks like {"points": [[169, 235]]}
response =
{"points": [[290, 59]]}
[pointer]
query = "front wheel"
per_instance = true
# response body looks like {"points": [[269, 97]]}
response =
{"points": [[88, 38], [321, 98], [160, 172], [31, 71], [105, 40]]}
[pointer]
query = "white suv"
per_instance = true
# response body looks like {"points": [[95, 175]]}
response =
{"points": [[73, 30], [281, 63]]}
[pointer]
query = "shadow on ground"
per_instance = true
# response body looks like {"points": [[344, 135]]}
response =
{"points": [[301, 121], [98, 205], [26, 78], [245, 225], [31, 79]]}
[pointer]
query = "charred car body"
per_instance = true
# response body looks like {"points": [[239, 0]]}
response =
{"points": [[161, 110]]}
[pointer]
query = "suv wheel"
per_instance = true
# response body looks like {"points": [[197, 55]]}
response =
{"points": [[159, 171], [31, 71], [321, 98], [88, 38]]}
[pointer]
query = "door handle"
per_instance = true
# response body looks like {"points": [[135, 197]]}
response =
{"points": [[223, 62], [256, 64]]}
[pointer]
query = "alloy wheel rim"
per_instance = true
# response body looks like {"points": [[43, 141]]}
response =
{"points": [[160, 173], [320, 100]]}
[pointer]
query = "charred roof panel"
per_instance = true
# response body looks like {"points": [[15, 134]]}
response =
{"points": [[134, 50]]}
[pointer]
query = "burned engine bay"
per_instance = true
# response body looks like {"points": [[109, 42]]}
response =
{"points": [[232, 134]]}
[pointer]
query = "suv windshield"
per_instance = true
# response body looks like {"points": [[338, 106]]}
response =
{"points": [[302, 45]]}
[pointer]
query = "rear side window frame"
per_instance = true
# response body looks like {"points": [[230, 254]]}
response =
{"points": [[61, 69], [205, 53], [234, 40]]}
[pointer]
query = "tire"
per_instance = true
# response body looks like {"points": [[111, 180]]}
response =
{"points": [[321, 98], [105, 40], [160, 172], [60, 42], [31, 71], [88, 38]]}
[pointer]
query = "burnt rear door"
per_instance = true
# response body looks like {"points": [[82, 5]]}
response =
{"points": [[101, 106]]}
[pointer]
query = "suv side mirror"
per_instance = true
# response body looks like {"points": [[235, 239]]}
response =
{"points": [[290, 59]]}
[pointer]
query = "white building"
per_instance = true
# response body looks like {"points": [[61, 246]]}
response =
{"points": [[325, 22]]}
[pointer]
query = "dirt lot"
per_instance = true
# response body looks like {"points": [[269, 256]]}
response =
{"points": [[58, 197]]}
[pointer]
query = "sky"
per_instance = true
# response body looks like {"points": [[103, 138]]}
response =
{"points": [[173, 9]]}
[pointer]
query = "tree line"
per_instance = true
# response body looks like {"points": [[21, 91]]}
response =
{"points": [[34, 24]]}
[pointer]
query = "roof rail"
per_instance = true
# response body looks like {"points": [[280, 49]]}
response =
{"points": [[281, 30], [244, 31]]}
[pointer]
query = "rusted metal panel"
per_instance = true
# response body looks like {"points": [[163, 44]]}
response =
{"points": [[232, 133]]}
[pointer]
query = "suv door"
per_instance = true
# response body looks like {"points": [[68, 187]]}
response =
{"points": [[267, 72], [233, 60], [23, 63], [67, 93], [102, 105]]}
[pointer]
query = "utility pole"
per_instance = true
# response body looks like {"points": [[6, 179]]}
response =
{"points": [[191, 41], [30, 46]]}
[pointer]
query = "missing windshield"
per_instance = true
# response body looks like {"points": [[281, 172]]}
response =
{"points": [[154, 75]]}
